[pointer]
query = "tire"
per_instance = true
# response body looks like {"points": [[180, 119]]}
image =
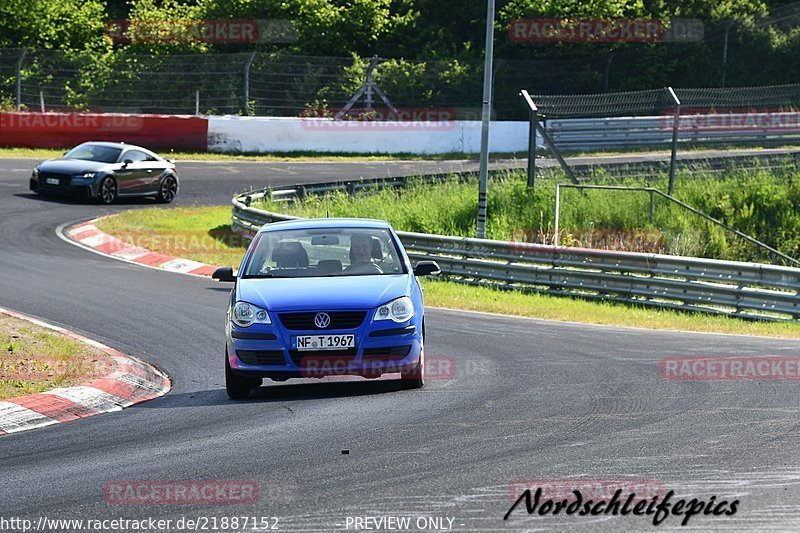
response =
{"points": [[168, 189], [415, 378], [107, 192], [237, 387]]}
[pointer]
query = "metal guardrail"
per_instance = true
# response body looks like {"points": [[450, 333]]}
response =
{"points": [[749, 290], [740, 128]]}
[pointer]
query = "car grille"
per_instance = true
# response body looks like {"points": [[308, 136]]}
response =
{"points": [[327, 357], [388, 353], [64, 180], [261, 357], [339, 320]]}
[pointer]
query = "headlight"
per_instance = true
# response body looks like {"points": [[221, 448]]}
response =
{"points": [[35, 171], [245, 314], [398, 310], [87, 175]]}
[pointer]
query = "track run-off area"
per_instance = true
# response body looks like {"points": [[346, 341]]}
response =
{"points": [[527, 401]]}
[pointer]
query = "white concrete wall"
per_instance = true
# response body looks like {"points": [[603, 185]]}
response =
{"points": [[289, 134]]}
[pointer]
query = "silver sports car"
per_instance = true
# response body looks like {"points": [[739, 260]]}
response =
{"points": [[106, 171]]}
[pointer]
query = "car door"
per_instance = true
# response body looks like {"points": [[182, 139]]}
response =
{"points": [[133, 176], [153, 167]]}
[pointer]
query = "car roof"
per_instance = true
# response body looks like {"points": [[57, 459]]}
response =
{"points": [[314, 223], [124, 146]]}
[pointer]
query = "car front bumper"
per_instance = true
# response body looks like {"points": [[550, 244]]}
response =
{"points": [[82, 190], [263, 350]]}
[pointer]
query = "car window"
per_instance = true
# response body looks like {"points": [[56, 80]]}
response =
{"points": [[94, 152], [325, 252], [137, 155]]}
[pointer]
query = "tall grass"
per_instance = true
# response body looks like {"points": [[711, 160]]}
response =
{"points": [[764, 204]]}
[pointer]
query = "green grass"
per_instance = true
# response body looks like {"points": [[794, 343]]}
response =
{"points": [[165, 224], [34, 359], [763, 204], [460, 296], [48, 153], [199, 233]]}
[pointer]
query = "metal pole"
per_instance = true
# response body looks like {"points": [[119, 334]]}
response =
{"points": [[533, 116], [532, 150], [675, 124], [197, 102], [370, 82], [480, 229], [651, 207], [247, 63], [555, 228], [19, 78], [41, 100], [725, 53]]}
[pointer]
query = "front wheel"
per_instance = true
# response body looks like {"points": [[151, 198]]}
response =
{"points": [[168, 190], [415, 378], [108, 191], [237, 387]]}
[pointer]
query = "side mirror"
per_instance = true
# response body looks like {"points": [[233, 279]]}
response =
{"points": [[427, 268], [127, 162], [224, 274]]}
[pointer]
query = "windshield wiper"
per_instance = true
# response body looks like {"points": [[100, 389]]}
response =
{"points": [[259, 276]]}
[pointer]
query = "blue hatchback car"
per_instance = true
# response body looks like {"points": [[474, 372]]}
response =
{"points": [[324, 297]]}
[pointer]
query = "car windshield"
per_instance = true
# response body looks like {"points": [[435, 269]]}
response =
{"points": [[94, 152], [324, 252]]}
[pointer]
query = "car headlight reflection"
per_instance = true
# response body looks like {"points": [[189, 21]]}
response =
{"points": [[245, 314], [87, 175], [398, 310]]}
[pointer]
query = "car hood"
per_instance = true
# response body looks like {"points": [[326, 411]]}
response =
{"points": [[336, 292], [73, 166]]}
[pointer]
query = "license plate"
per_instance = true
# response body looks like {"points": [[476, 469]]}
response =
{"points": [[52, 181], [306, 343]]}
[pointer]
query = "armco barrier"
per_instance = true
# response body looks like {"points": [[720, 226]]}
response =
{"points": [[734, 288], [60, 130], [730, 128]]}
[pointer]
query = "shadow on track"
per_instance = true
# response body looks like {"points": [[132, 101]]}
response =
{"points": [[74, 200], [277, 393]]}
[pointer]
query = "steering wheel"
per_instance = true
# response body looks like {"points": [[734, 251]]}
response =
{"points": [[364, 268]]}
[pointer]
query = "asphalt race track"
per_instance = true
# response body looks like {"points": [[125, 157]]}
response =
{"points": [[529, 400]]}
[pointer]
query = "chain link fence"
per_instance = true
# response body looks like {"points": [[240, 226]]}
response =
{"points": [[277, 84]]}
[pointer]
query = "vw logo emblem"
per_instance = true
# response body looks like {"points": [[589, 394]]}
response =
{"points": [[322, 320]]}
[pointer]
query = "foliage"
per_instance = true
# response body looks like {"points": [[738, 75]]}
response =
{"points": [[762, 204], [434, 49]]}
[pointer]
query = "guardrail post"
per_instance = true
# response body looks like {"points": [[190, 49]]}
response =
{"points": [[555, 223], [651, 207], [19, 78], [533, 117], [675, 124], [246, 82]]}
